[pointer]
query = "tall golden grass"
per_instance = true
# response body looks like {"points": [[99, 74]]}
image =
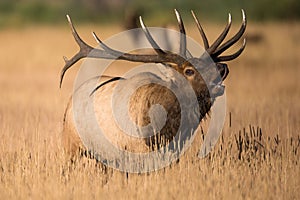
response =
{"points": [[257, 156]]}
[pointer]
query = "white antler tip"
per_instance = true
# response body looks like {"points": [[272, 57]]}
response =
{"points": [[244, 15], [229, 18], [193, 14], [96, 38], [177, 15], [68, 18], [141, 22]]}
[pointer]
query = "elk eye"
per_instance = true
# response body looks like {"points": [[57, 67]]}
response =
{"points": [[189, 72]]}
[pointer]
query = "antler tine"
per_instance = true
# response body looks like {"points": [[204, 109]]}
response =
{"points": [[204, 38], [232, 56], [155, 46], [84, 51], [182, 49], [221, 37], [234, 39], [84, 48], [107, 48], [77, 38]]}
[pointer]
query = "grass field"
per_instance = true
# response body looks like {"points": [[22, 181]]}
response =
{"points": [[257, 157]]}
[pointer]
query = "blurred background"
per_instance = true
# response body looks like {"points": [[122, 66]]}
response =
{"points": [[22, 12]]}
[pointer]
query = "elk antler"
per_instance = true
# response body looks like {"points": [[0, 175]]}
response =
{"points": [[214, 50], [161, 56], [108, 53]]}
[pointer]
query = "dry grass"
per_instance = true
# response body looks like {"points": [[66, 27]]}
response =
{"points": [[263, 90]]}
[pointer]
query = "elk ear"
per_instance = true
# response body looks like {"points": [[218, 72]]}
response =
{"points": [[223, 70]]}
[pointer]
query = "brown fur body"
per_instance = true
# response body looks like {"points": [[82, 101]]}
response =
{"points": [[140, 103]]}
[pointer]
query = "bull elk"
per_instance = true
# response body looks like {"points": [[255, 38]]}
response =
{"points": [[206, 89]]}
